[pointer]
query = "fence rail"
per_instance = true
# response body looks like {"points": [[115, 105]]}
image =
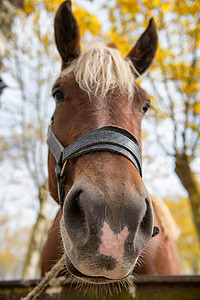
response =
{"points": [[146, 288]]}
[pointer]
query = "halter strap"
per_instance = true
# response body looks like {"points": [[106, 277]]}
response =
{"points": [[108, 138]]}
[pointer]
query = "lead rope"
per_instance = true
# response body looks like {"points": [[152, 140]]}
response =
{"points": [[45, 282]]}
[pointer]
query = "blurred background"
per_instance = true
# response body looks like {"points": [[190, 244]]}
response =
{"points": [[29, 65]]}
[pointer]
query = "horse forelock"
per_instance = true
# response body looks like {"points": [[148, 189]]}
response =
{"points": [[101, 69]]}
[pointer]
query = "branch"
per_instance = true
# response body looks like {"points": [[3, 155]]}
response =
{"points": [[195, 141]]}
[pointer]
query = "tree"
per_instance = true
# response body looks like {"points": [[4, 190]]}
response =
{"points": [[31, 110], [13, 246], [188, 242], [174, 79]]}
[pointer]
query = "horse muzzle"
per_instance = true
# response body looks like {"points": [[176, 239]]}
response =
{"points": [[104, 232]]}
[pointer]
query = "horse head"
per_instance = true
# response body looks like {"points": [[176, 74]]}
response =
{"points": [[107, 215]]}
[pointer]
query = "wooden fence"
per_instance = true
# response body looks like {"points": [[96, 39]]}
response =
{"points": [[146, 288]]}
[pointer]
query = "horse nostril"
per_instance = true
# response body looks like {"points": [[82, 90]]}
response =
{"points": [[74, 219], [147, 220], [74, 210]]}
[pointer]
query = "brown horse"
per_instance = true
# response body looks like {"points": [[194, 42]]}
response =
{"points": [[106, 216]]}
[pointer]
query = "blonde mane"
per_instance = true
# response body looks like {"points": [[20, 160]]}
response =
{"points": [[101, 69]]}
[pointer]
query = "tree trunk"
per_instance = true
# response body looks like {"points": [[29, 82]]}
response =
{"points": [[31, 267], [192, 186]]}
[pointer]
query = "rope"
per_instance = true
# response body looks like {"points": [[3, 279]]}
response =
{"points": [[43, 284]]}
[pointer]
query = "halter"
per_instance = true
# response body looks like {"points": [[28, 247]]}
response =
{"points": [[108, 138]]}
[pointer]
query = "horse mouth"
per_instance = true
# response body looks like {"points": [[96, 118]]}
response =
{"points": [[89, 279]]}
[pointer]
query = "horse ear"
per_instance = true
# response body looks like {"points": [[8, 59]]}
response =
{"points": [[143, 52], [67, 34]]}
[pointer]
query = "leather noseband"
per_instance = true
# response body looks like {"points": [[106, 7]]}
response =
{"points": [[108, 138]]}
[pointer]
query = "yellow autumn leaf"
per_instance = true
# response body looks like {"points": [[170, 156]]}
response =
{"points": [[29, 6], [188, 244], [121, 41], [197, 108], [52, 5], [151, 4], [87, 21], [129, 6]]}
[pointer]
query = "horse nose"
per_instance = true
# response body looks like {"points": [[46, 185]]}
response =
{"points": [[75, 220], [86, 211], [82, 211]]}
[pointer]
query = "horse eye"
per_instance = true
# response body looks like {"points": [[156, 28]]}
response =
{"points": [[146, 107], [58, 96]]}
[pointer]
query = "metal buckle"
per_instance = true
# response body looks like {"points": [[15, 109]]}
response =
{"points": [[58, 170], [155, 231], [63, 168]]}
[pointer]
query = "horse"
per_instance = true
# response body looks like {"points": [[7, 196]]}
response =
{"points": [[106, 214]]}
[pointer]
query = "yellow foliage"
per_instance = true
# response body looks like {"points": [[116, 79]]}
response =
{"points": [[29, 6], [87, 21], [183, 8], [191, 125], [13, 244], [189, 88], [197, 108], [129, 6], [188, 243], [162, 55], [119, 41], [7, 257], [166, 6], [37, 15], [151, 4], [4, 220], [52, 5]]}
